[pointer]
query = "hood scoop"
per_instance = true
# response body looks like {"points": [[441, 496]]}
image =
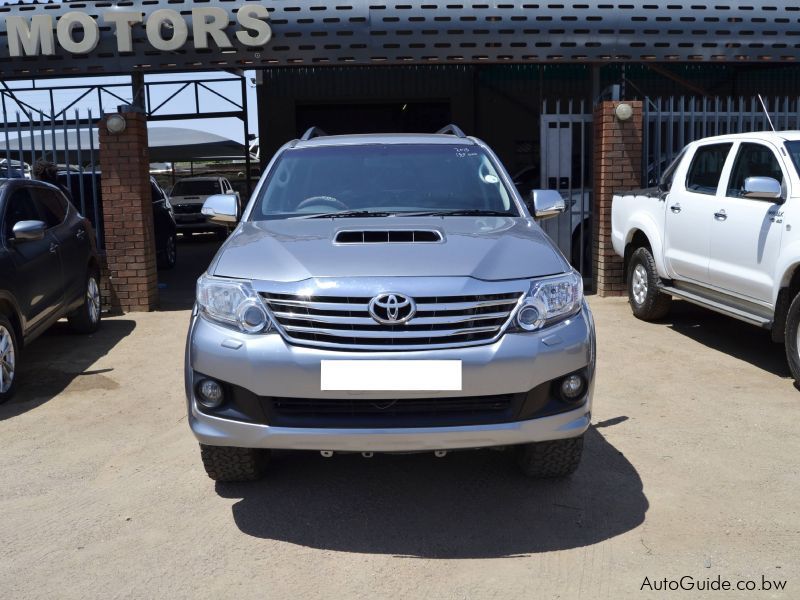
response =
{"points": [[388, 236]]}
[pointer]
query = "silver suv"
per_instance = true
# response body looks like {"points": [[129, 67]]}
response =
{"points": [[388, 293]]}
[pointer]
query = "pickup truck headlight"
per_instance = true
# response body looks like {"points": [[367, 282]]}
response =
{"points": [[549, 300], [233, 303]]}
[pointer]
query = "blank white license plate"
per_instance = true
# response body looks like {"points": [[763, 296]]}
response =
{"points": [[390, 375]]}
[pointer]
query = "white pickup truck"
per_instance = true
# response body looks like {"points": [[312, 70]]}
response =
{"points": [[721, 230]]}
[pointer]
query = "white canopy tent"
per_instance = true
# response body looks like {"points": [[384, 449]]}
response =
{"points": [[166, 144]]}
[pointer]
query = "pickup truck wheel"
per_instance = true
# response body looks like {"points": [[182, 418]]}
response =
{"points": [[792, 338], [556, 458], [8, 359], [86, 319], [647, 301], [226, 463]]}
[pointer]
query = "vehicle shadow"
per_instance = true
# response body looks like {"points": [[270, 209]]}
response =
{"points": [[472, 504], [61, 359], [725, 334], [176, 287]]}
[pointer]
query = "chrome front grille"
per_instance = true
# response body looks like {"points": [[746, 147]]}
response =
{"points": [[345, 322]]}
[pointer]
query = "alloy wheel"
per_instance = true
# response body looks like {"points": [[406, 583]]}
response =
{"points": [[7, 360], [93, 300], [639, 284], [172, 250]]}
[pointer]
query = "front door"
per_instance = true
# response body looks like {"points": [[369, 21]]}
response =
{"points": [[746, 232], [690, 213], [37, 264]]}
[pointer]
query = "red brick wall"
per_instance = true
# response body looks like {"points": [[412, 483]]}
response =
{"points": [[128, 216], [617, 167]]}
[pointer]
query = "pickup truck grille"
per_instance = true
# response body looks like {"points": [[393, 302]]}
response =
{"points": [[345, 322], [186, 209]]}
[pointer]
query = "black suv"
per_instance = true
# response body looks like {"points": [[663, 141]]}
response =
{"points": [[163, 216], [48, 269]]}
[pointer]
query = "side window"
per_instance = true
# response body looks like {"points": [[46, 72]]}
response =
{"points": [[19, 207], [706, 168], [52, 205], [753, 160], [665, 184]]}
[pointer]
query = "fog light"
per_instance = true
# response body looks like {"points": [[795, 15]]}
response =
{"points": [[209, 393], [528, 318], [572, 387]]}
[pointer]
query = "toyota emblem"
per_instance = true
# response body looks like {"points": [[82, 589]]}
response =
{"points": [[392, 308]]}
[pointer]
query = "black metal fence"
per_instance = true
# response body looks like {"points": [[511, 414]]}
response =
{"points": [[671, 123], [70, 145], [566, 166]]}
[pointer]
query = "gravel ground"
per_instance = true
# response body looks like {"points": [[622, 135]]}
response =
{"points": [[691, 469]]}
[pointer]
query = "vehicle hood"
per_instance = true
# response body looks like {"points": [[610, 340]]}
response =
{"points": [[487, 248]]}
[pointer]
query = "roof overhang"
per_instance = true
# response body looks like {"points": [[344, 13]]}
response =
{"points": [[181, 35]]}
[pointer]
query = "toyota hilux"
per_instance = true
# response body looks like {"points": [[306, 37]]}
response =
{"points": [[388, 293]]}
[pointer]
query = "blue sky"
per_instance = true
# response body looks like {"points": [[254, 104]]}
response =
{"points": [[231, 128]]}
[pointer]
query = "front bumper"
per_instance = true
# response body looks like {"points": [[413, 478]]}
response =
{"points": [[267, 365]]}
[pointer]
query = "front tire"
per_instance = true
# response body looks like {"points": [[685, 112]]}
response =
{"points": [[228, 464], [555, 458], [86, 319], [9, 351], [792, 338], [647, 301]]}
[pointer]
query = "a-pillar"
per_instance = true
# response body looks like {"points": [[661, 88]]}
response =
{"points": [[617, 167], [128, 215]]}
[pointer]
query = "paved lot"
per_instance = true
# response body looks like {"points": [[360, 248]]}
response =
{"points": [[691, 469]]}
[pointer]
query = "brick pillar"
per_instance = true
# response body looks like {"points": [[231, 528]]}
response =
{"points": [[128, 215], [617, 167]]}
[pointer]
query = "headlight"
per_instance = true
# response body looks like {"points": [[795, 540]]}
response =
{"points": [[232, 303], [550, 300]]}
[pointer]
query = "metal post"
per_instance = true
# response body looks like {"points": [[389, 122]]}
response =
{"points": [[138, 90], [246, 139]]}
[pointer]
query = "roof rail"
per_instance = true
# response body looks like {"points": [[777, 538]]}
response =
{"points": [[452, 130], [312, 132]]}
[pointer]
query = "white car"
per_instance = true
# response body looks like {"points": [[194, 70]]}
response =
{"points": [[188, 196], [720, 231]]}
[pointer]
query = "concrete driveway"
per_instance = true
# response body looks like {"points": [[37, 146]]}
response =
{"points": [[691, 469]]}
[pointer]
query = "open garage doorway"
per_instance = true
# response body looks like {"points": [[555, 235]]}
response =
{"points": [[374, 117]]}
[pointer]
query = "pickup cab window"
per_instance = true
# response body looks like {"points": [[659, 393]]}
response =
{"points": [[753, 160], [706, 168]]}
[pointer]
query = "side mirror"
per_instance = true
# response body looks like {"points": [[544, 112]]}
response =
{"points": [[222, 209], [28, 231], [544, 204], [762, 188]]}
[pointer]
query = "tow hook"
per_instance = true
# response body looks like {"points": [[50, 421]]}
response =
{"points": [[440, 453], [326, 453], [367, 454]]}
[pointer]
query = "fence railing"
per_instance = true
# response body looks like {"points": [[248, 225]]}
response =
{"points": [[566, 165], [69, 144], [671, 123]]}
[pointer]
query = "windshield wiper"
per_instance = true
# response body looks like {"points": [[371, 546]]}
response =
{"points": [[464, 212], [345, 214]]}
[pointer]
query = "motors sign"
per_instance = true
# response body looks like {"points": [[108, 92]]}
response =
{"points": [[118, 37], [77, 32]]}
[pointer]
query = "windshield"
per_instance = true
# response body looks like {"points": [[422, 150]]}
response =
{"points": [[380, 179], [196, 188]]}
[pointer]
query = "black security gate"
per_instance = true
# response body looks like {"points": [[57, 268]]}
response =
{"points": [[671, 123], [566, 166], [67, 143]]}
